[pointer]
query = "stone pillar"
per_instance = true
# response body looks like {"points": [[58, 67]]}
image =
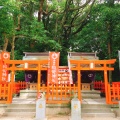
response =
{"points": [[75, 109], [40, 109]]}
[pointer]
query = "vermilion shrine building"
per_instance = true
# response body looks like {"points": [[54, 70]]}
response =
{"points": [[63, 71]]}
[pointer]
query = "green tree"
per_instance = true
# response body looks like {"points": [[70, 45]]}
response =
{"points": [[20, 29], [101, 34], [6, 22], [66, 18]]}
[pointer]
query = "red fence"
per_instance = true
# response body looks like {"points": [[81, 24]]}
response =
{"points": [[19, 86], [114, 92], [99, 85], [116, 84], [59, 93], [112, 89], [5, 93]]}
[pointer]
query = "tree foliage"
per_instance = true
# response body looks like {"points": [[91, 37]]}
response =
{"points": [[59, 25], [66, 18], [21, 30], [95, 34], [101, 34]]}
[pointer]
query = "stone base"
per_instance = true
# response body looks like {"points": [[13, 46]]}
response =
{"points": [[75, 118], [40, 119]]}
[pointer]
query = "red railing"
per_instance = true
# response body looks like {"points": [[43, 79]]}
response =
{"points": [[20, 85], [116, 84], [99, 85], [5, 93], [23, 85], [16, 88], [59, 93], [114, 92]]}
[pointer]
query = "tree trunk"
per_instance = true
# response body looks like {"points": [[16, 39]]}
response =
{"points": [[5, 42], [40, 10], [18, 28], [12, 48], [110, 31]]}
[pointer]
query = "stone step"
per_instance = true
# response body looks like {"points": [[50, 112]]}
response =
{"points": [[95, 110], [94, 101], [20, 110], [3, 105], [32, 114], [25, 114], [103, 115], [30, 111], [95, 106], [49, 111], [34, 105], [84, 93], [19, 100], [28, 93], [2, 108], [90, 94], [25, 105], [20, 106]]}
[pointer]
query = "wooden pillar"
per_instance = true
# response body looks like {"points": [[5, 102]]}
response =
{"points": [[106, 83], [79, 82], [39, 78], [9, 99], [12, 80]]}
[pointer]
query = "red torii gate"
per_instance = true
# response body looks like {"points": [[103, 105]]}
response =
{"points": [[97, 65], [6, 88]]}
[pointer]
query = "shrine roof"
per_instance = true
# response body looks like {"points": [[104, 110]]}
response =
{"points": [[36, 53], [82, 56], [36, 56]]}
